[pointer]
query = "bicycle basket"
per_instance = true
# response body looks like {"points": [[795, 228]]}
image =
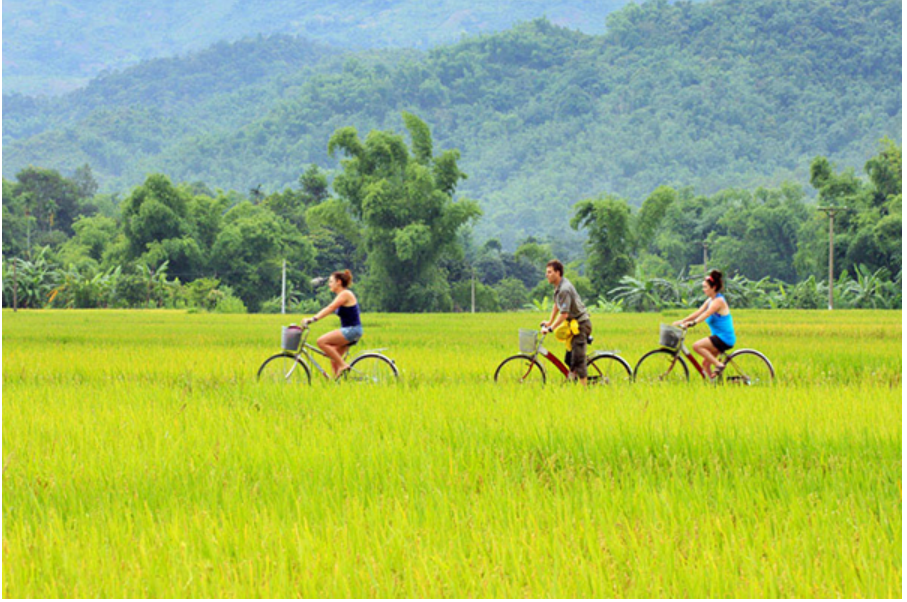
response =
{"points": [[290, 338], [529, 340], [670, 336]]}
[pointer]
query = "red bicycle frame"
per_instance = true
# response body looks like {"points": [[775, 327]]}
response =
{"points": [[554, 360], [691, 358]]}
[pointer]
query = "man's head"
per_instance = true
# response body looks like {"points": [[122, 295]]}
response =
{"points": [[554, 272]]}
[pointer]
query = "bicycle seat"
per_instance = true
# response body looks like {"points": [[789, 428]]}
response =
{"points": [[353, 343]]}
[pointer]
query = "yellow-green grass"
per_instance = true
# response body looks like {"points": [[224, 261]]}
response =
{"points": [[141, 458]]}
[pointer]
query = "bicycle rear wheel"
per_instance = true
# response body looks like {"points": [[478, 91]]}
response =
{"points": [[520, 369], [748, 367], [372, 368], [608, 369], [661, 366], [284, 368]]}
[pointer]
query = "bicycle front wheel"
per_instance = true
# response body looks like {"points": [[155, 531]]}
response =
{"points": [[748, 367], [372, 368], [284, 368], [661, 366], [520, 369], [608, 370]]}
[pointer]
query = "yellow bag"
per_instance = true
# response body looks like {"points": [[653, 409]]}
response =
{"points": [[566, 331]]}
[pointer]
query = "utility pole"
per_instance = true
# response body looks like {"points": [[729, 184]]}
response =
{"points": [[705, 257], [830, 212], [15, 288], [283, 289], [473, 290], [28, 233]]}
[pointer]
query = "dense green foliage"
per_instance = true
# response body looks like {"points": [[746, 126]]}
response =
{"points": [[403, 202], [141, 459], [738, 94], [52, 47], [395, 223]]}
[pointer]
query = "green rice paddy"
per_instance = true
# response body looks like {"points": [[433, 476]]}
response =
{"points": [[142, 459]]}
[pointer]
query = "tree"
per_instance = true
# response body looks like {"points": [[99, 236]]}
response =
{"points": [[869, 233], [651, 214], [86, 185], [885, 173], [90, 241], [249, 251], [292, 205], [49, 197], [607, 219], [204, 218], [487, 298], [512, 293], [17, 223], [406, 205], [337, 236], [155, 211], [758, 237]]}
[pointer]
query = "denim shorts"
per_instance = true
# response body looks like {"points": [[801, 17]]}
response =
{"points": [[351, 333]]}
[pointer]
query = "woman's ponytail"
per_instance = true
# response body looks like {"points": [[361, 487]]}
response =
{"points": [[716, 279], [345, 278]]}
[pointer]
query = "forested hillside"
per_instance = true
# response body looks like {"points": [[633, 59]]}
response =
{"points": [[224, 86], [53, 47], [729, 93]]}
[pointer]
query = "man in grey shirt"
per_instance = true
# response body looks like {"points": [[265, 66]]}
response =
{"points": [[570, 307]]}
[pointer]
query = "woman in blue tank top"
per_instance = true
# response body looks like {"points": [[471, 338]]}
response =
{"points": [[716, 313], [345, 305]]}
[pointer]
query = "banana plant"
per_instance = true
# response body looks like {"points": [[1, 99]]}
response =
{"points": [[870, 290], [543, 304], [33, 280]]}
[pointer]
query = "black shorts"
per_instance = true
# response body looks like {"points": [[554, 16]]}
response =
{"points": [[719, 344]]}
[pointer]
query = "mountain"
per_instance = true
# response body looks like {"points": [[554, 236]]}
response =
{"points": [[730, 93], [52, 46]]}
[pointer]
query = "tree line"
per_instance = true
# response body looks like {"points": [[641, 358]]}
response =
{"points": [[393, 215]]}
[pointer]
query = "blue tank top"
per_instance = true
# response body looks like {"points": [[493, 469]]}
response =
{"points": [[722, 326], [349, 316]]}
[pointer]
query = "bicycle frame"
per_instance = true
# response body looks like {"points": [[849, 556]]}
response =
{"points": [[722, 357], [306, 349], [543, 351]]}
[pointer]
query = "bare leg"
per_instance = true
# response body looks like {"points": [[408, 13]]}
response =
{"points": [[334, 345], [709, 353], [572, 376]]}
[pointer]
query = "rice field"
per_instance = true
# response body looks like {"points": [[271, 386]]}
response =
{"points": [[142, 459]]}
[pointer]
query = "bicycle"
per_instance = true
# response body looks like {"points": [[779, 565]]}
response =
{"points": [[666, 364], [369, 366], [604, 367]]}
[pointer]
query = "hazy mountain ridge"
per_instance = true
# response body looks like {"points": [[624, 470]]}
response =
{"points": [[740, 94], [53, 47]]}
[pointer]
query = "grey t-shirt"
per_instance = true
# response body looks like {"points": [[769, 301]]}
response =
{"points": [[568, 301]]}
